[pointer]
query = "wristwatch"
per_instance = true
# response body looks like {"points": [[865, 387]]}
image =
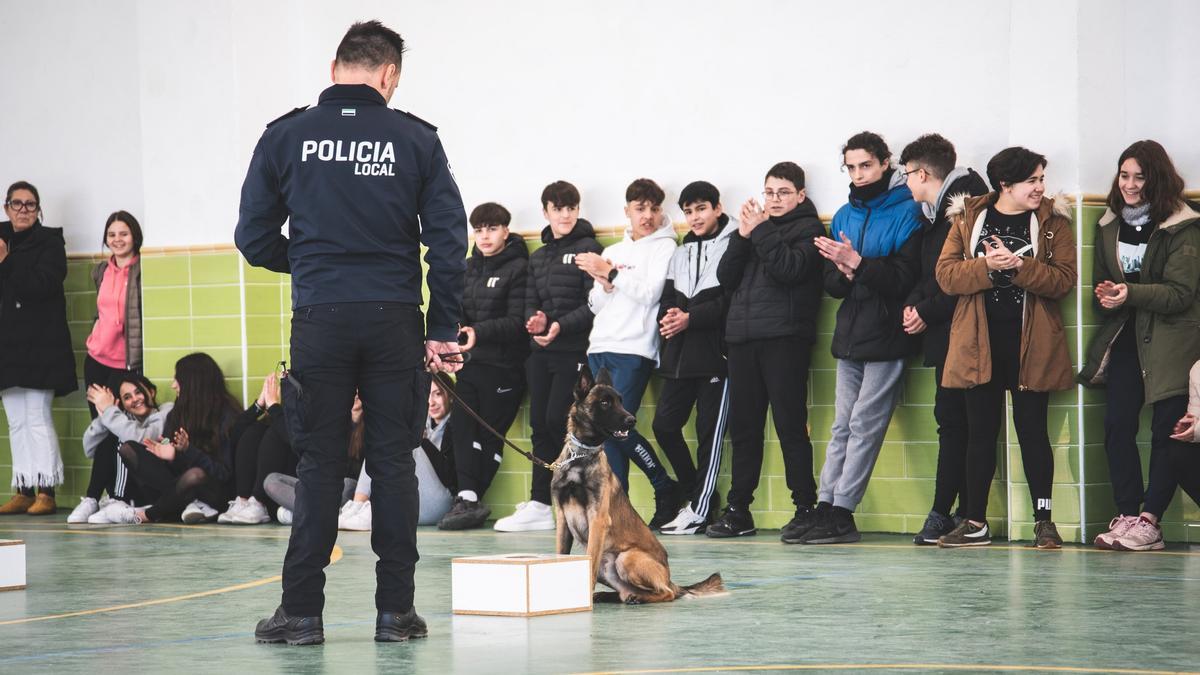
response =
{"points": [[612, 274]]}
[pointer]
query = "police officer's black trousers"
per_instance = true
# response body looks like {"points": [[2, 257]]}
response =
{"points": [[376, 349]]}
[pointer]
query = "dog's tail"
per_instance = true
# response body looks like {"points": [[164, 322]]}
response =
{"points": [[711, 586]]}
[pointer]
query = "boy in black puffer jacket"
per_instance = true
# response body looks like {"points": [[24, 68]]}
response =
{"points": [[773, 272], [492, 382], [558, 319], [933, 178]]}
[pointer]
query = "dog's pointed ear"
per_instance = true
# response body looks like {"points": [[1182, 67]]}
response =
{"points": [[603, 377], [584, 384]]}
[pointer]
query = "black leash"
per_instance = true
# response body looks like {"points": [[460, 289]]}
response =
{"points": [[448, 388]]}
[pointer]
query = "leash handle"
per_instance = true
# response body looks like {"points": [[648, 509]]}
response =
{"points": [[445, 386]]}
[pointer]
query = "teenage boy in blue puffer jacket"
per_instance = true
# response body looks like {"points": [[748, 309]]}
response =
{"points": [[873, 261]]}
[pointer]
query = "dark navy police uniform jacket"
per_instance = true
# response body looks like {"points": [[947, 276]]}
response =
{"points": [[364, 186]]}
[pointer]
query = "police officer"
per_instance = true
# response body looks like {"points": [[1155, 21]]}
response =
{"points": [[354, 177]]}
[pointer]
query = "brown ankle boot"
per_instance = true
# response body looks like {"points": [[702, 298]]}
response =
{"points": [[43, 506], [18, 504]]}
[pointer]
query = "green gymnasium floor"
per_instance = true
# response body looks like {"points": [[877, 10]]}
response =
{"points": [[193, 593]]}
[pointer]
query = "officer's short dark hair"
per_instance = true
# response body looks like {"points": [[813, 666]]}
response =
{"points": [[870, 141], [699, 191], [1013, 165], [789, 171], [644, 190], [370, 44], [135, 228], [560, 193], [933, 152], [489, 213]]}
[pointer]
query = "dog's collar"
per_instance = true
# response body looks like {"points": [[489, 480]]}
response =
{"points": [[578, 444], [575, 445]]}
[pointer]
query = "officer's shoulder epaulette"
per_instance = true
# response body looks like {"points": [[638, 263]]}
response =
{"points": [[414, 117], [294, 111]]}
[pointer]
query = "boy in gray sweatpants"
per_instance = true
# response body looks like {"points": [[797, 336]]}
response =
{"points": [[873, 259]]}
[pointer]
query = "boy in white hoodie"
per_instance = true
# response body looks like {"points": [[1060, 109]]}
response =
{"points": [[629, 280]]}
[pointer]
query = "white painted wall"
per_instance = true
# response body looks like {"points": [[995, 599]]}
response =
{"points": [[154, 106]]}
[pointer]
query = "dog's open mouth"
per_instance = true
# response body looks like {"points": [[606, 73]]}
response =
{"points": [[620, 434]]}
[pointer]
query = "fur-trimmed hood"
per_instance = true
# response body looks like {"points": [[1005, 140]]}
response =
{"points": [[1057, 205]]}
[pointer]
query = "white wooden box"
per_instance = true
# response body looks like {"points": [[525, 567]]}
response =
{"points": [[520, 584], [12, 564]]}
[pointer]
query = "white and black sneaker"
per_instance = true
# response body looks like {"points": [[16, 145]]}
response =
{"points": [[967, 534], [733, 523], [198, 512], [685, 522]]}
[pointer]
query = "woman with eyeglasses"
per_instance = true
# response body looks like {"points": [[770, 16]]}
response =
{"points": [[1010, 257], [1145, 278], [36, 362]]}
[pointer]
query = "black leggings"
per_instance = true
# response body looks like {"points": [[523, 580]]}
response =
{"points": [[261, 451], [985, 414], [169, 490], [109, 474]]}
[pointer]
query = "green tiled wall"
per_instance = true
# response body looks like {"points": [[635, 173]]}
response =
{"points": [[208, 300]]}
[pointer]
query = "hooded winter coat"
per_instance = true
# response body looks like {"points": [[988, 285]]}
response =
{"points": [[1167, 315], [773, 278], [886, 232], [627, 316], [35, 343], [692, 287], [932, 304], [1047, 277], [560, 289], [494, 304]]}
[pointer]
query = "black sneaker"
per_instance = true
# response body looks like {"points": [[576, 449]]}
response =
{"points": [[732, 523], [396, 627], [667, 503], [806, 518], [967, 534], [464, 515], [1045, 535], [936, 525], [833, 528], [294, 630]]}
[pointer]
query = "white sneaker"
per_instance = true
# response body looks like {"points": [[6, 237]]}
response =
{"points": [[687, 522], [198, 512], [108, 507], [86, 509], [116, 513], [235, 507], [359, 518], [284, 516], [528, 517], [253, 513]]}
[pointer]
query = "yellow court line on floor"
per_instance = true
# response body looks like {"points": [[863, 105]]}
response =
{"points": [[333, 558], [122, 531], [901, 666]]}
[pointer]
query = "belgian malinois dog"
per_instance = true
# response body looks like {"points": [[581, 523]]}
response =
{"points": [[590, 507]]}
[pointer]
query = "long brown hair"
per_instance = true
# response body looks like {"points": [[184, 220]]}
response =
{"points": [[204, 407], [1163, 189]]}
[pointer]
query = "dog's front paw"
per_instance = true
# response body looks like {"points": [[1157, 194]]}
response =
{"points": [[632, 599]]}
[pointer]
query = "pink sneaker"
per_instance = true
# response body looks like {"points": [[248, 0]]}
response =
{"points": [[1116, 529], [1143, 535]]}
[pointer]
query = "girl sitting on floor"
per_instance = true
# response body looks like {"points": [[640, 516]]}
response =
{"points": [[132, 415], [191, 466]]}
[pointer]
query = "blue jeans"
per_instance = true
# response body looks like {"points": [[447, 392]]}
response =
{"points": [[630, 374]]}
